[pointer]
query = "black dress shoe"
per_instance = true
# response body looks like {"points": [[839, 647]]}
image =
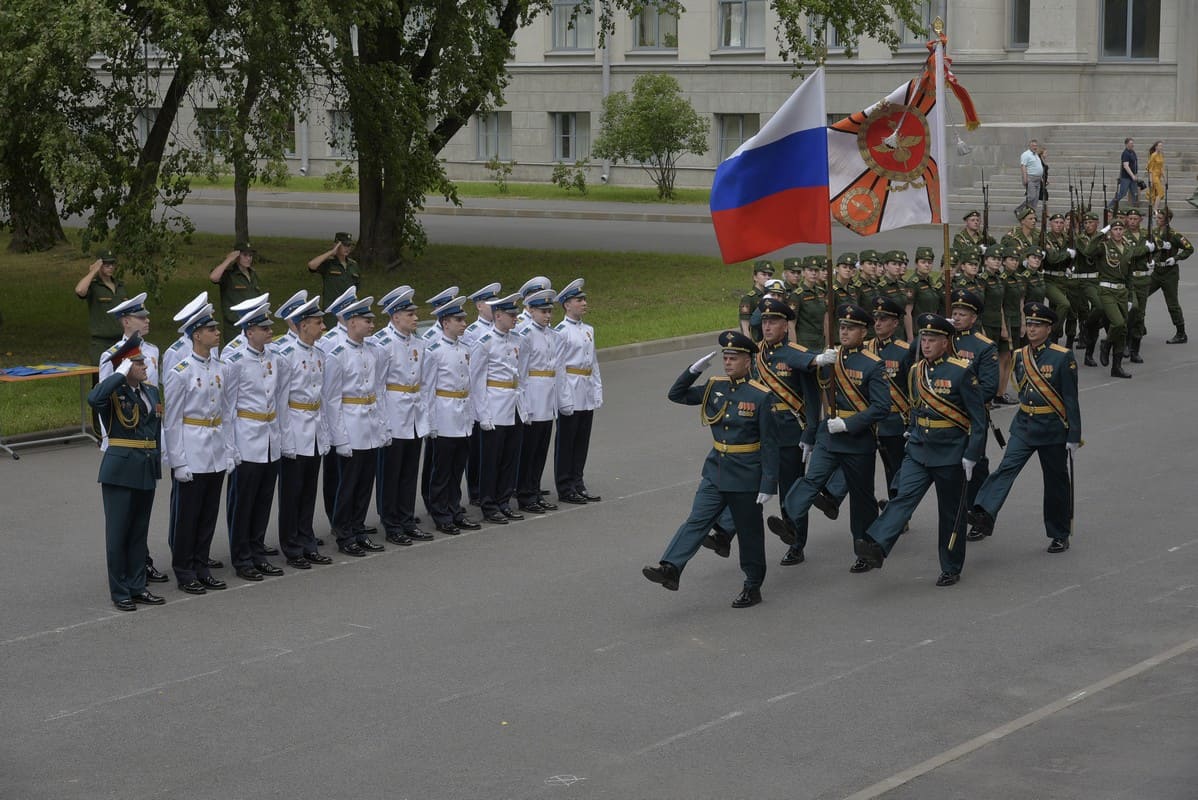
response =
{"points": [[249, 574], [193, 587], [366, 544], [782, 529], [299, 563], [399, 539], [352, 549], [982, 522], [418, 535], [748, 597], [214, 583], [532, 508], [507, 512], [948, 578], [860, 566], [975, 535], [467, 524], [573, 499], [546, 505], [125, 605], [868, 552], [212, 563], [720, 543], [368, 531], [495, 517], [590, 498], [269, 551], [827, 504], [1058, 546], [149, 599], [452, 530], [793, 556], [154, 576], [664, 573], [316, 558], [267, 568]]}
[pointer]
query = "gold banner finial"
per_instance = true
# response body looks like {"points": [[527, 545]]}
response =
{"points": [[938, 26]]}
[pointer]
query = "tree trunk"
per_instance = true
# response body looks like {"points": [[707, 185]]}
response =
{"points": [[31, 204], [242, 168]]}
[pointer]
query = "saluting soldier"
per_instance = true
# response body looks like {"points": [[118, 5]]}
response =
{"points": [[303, 434], [1114, 255], [1172, 247], [974, 346], [897, 357], [740, 472], [494, 389], [102, 290], [1048, 424], [945, 441], [1058, 272], [129, 471], [927, 288], [763, 270], [542, 391], [338, 272], [970, 237], [238, 281], [893, 285], [577, 357], [483, 324]]}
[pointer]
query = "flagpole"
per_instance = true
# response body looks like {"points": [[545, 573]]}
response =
{"points": [[938, 29]]}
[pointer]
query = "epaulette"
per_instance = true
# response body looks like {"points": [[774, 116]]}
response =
{"points": [[177, 344], [336, 351], [328, 333], [983, 338], [286, 351], [235, 357], [719, 378], [561, 326], [433, 346], [871, 356], [113, 349], [180, 367], [903, 344], [485, 337], [796, 346], [1058, 348], [756, 384], [960, 362], [382, 337]]}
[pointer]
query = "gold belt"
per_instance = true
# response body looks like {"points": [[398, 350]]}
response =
{"points": [[542, 373], [200, 422], [840, 412], [501, 384], [136, 444], [257, 416], [1026, 409], [578, 370], [737, 448], [368, 400], [455, 395], [927, 422], [403, 387], [298, 406]]}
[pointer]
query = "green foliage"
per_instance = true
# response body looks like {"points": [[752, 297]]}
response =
{"points": [[500, 172], [572, 176], [852, 22], [341, 177], [653, 127], [274, 173]]}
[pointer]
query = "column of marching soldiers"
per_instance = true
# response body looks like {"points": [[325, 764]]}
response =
{"points": [[795, 418], [389, 413]]}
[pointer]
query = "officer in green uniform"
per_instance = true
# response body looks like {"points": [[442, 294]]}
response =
{"points": [[129, 472], [970, 237], [763, 270], [1083, 290], [1048, 424], [1024, 234], [101, 289], [337, 270], [945, 441], [1058, 272], [810, 304], [1172, 247], [927, 287], [740, 472], [893, 285], [1114, 254], [1138, 286], [238, 282], [1012, 316]]}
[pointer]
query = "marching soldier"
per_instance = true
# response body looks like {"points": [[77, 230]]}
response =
{"points": [[993, 287], [763, 270], [1138, 286], [897, 357], [1083, 291], [1048, 423], [1173, 247], [945, 441], [1012, 312], [129, 471], [893, 285], [494, 372], [338, 272], [303, 434], [237, 285], [542, 388], [972, 345], [970, 237], [927, 288], [482, 325], [102, 290], [1114, 255], [1024, 234], [740, 472], [584, 395], [1058, 272]]}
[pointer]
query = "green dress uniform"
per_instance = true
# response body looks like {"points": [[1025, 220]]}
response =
{"points": [[928, 293], [897, 356], [748, 304], [103, 329], [1114, 260], [1012, 304], [982, 354], [810, 304], [845, 293], [965, 240], [1165, 274], [1017, 240], [1083, 291], [1048, 419], [1057, 270], [236, 286], [993, 287], [336, 277], [1035, 285], [1138, 288], [129, 473], [742, 463]]}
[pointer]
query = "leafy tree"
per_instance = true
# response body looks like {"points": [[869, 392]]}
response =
{"points": [[654, 127], [802, 25]]}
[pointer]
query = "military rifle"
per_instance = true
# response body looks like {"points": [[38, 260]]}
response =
{"points": [[1168, 229], [985, 210], [1043, 223]]}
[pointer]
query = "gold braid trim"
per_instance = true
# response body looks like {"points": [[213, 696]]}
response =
{"points": [[115, 405], [703, 417]]}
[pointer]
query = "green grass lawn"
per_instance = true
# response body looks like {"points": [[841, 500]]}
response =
{"points": [[633, 296]]}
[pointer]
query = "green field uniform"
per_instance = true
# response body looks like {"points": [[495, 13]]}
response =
{"points": [[1114, 262], [1083, 287], [966, 240], [1034, 284], [1138, 286], [1018, 240], [927, 294], [810, 304], [335, 279], [992, 287], [236, 287], [103, 329], [1164, 277], [1057, 268], [1012, 304]]}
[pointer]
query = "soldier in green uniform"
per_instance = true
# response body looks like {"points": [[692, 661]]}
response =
{"points": [[101, 289], [763, 270], [1058, 272], [844, 285], [1012, 313], [792, 273], [129, 472], [810, 304], [1083, 290], [1139, 286], [867, 278], [945, 442], [992, 285], [237, 284], [337, 270], [1024, 234], [1172, 247], [740, 472], [1035, 287], [970, 237], [893, 285], [1114, 255], [1048, 424], [926, 286], [966, 274]]}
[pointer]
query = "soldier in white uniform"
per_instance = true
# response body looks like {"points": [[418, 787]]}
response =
{"points": [[493, 389], [445, 394], [238, 341], [283, 312], [192, 427], [181, 347], [303, 434], [329, 341], [584, 394], [481, 326], [252, 431], [538, 284], [351, 407], [400, 353], [432, 334], [542, 389]]}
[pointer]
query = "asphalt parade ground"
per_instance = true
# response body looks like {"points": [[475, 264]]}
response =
{"points": [[534, 661]]}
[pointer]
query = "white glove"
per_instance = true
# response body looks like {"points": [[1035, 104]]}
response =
{"points": [[230, 465], [432, 434], [1170, 261], [345, 451], [125, 366], [289, 454], [1105, 229], [702, 363], [487, 426], [836, 425], [1167, 246], [807, 451], [182, 474], [968, 465], [1149, 246], [235, 455], [827, 357], [1072, 446], [983, 249], [1072, 253], [763, 498], [567, 411]]}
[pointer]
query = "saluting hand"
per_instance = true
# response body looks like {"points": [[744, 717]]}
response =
{"points": [[702, 363]]}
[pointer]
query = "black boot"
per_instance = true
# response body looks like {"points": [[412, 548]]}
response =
{"points": [[1070, 340], [1089, 360], [1104, 352], [1117, 367], [1179, 337], [1134, 348]]}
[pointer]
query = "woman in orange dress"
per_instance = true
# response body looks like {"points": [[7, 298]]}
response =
{"points": [[1156, 174]]}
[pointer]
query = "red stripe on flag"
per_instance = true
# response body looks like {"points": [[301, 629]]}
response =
{"points": [[794, 216]]}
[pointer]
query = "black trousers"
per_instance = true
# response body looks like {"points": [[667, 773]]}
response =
{"points": [[196, 507], [892, 449], [249, 498], [126, 529], [474, 465], [534, 452], [354, 484], [570, 454], [426, 473], [450, 454], [297, 504], [499, 459], [395, 485], [332, 472]]}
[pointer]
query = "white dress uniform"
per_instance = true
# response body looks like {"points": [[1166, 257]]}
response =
{"points": [[331, 338], [400, 359], [542, 392], [494, 389], [179, 350], [475, 331], [584, 393], [576, 354], [445, 393]]}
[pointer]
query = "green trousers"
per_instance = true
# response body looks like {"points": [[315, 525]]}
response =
{"points": [[1136, 328], [1058, 298], [1166, 280], [1114, 308]]}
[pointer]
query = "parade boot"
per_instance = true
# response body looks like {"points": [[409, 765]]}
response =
{"points": [[1135, 351], [1179, 337], [1070, 341], [1089, 360], [1117, 367], [1104, 352]]}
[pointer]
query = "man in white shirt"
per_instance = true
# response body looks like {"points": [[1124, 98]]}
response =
{"points": [[1032, 169], [541, 393], [494, 387]]}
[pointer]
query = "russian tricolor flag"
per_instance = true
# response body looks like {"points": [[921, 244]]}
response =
{"points": [[773, 191]]}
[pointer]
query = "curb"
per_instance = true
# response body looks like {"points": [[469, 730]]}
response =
{"points": [[656, 346]]}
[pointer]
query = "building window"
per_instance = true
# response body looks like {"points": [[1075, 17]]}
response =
{"points": [[289, 139], [341, 135], [654, 29], [1021, 17], [571, 134], [212, 130], [1131, 28], [494, 135], [733, 130], [742, 24], [572, 29], [818, 31], [927, 11]]}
